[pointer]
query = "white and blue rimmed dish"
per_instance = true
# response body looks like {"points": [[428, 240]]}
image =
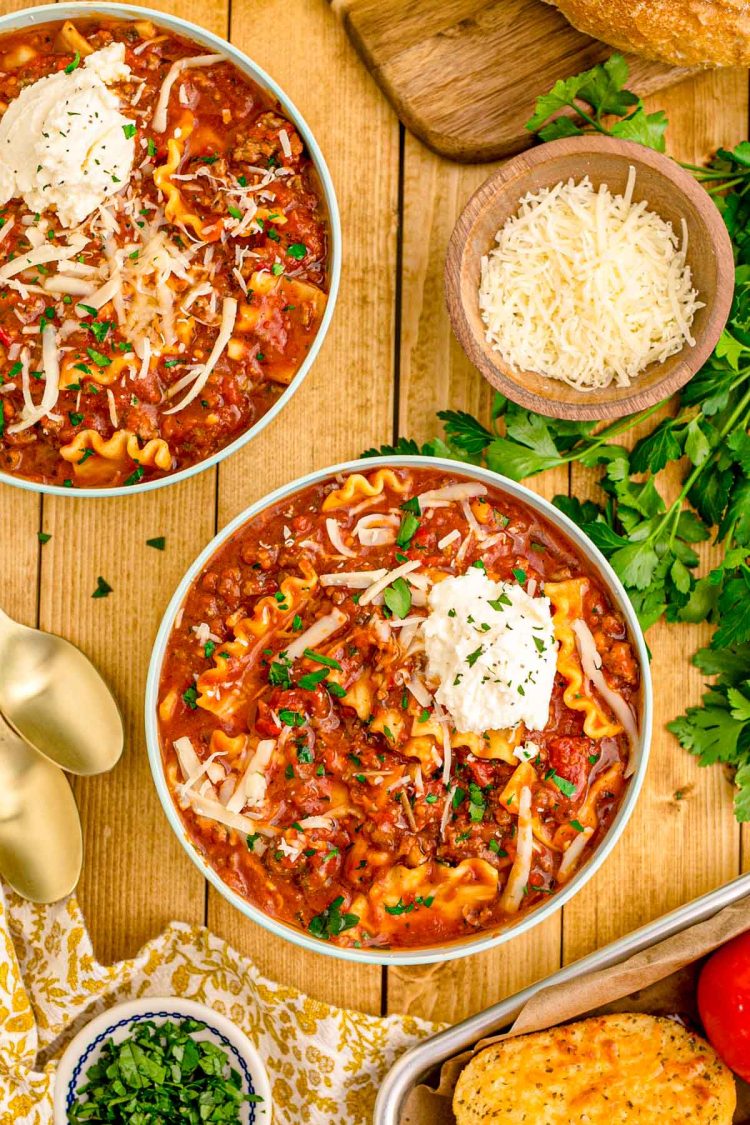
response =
{"points": [[464, 946], [119, 1022], [47, 13]]}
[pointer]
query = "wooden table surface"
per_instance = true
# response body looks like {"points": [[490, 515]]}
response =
{"points": [[388, 364]]}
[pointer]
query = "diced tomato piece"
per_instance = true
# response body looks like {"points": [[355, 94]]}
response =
{"points": [[264, 721], [568, 757]]}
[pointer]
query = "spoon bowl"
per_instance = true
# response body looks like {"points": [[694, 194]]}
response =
{"points": [[54, 698], [41, 846]]}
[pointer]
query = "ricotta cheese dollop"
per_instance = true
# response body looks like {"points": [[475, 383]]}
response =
{"points": [[64, 144], [491, 648]]}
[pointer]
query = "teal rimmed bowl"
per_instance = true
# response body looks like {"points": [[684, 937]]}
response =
{"points": [[463, 946], [47, 13]]}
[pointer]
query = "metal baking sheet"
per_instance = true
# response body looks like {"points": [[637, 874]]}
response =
{"points": [[421, 1062]]}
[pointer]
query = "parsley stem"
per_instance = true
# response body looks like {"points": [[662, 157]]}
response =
{"points": [[724, 185], [586, 117], [608, 432], [673, 512]]}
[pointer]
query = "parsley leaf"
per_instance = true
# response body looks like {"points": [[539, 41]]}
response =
{"points": [[397, 597], [103, 588], [331, 922]]}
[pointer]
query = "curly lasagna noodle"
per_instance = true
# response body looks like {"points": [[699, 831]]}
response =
{"points": [[163, 253], [398, 709]]}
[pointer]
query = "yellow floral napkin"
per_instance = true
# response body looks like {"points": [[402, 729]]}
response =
{"points": [[325, 1064]]}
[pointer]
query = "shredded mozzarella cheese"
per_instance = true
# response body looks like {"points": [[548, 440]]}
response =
{"points": [[586, 287], [159, 122]]}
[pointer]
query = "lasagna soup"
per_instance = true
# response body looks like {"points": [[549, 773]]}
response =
{"points": [[163, 252], [397, 709]]}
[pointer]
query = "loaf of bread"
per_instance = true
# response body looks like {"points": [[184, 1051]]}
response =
{"points": [[606, 1070], [680, 32]]}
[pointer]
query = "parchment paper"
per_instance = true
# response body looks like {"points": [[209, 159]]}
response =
{"points": [[660, 980]]}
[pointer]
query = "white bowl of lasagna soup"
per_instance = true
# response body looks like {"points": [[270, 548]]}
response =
{"points": [[399, 711], [169, 249]]}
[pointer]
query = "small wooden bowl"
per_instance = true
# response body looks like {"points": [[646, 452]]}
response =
{"points": [[670, 191]]}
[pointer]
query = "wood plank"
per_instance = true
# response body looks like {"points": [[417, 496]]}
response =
{"points": [[682, 839], [133, 862], [463, 75], [20, 512], [346, 401], [436, 374]]}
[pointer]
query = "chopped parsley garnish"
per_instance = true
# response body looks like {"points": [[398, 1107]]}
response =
{"points": [[577, 825], [331, 921], [566, 787], [431, 799], [151, 147], [168, 1072], [99, 330], [74, 64], [297, 623], [209, 649], [335, 689], [278, 674], [424, 715], [75, 418], [297, 250], [291, 718], [304, 755], [319, 658], [43, 536], [103, 588], [397, 597], [310, 680], [519, 574], [495, 847], [401, 908], [135, 476], [250, 840], [129, 130], [477, 803], [190, 696], [472, 658], [458, 797], [158, 543], [234, 212], [98, 358], [498, 603], [409, 526]]}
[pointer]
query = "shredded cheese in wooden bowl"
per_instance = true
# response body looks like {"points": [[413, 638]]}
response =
{"points": [[587, 287]]}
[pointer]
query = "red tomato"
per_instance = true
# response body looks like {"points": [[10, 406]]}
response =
{"points": [[724, 1003]]}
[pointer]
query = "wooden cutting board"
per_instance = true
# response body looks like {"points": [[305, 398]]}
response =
{"points": [[463, 74]]}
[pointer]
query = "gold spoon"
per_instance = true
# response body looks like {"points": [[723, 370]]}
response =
{"points": [[41, 848], [52, 695]]}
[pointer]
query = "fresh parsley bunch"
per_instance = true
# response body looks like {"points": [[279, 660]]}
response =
{"points": [[650, 542]]}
